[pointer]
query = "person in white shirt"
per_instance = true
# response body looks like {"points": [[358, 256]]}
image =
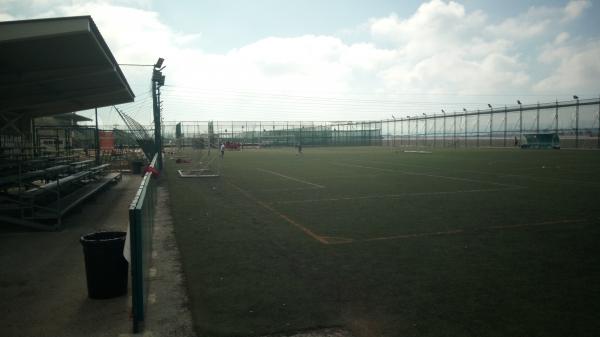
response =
{"points": [[222, 150]]}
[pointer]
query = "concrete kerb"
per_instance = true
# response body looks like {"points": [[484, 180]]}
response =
{"points": [[167, 310]]}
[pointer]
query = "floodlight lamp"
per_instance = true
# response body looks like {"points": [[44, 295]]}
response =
{"points": [[443, 111], [575, 97], [518, 102], [465, 110], [489, 105], [159, 63]]}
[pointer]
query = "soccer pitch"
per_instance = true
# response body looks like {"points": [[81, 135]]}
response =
{"points": [[383, 242]]}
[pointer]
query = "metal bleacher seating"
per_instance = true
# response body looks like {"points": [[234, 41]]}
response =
{"points": [[39, 192]]}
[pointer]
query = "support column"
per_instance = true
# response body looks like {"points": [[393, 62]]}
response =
{"points": [[97, 138]]}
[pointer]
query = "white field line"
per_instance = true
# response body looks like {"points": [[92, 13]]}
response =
{"points": [[288, 189], [431, 175], [292, 178], [283, 189], [550, 179], [399, 195], [524, 176]]}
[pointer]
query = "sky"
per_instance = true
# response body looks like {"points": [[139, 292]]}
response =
{"points": [[341, 59]]}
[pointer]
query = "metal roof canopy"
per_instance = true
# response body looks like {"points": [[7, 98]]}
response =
{"points": [[52, 66]]}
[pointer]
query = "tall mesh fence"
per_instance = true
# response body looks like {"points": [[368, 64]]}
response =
{"points": [[576, 122]]}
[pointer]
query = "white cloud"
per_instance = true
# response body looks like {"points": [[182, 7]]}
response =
{"points": [[435, 26], [6, 17], [561, 38], [575, 68], [534, 22], [538, 20], [574, 9], [441, 48]]}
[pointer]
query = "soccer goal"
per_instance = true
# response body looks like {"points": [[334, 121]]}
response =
{"points": [[208, 166]]}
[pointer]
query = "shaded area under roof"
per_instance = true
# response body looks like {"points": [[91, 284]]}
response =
{"points": [[53, 66]]}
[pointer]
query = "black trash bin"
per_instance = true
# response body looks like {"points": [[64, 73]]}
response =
{"points": [[136, 166], [105, 267]]}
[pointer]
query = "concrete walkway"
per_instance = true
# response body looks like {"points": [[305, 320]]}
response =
{"points": [[43, 288], [167, 311], [42, 274]]}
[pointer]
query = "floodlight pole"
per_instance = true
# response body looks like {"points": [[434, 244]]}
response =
{"points": [[520, 121], [425, 131], [537, 119], [402, 130], [577, 123], [455, 118], [505, 123], [466, 128], [478, 132], [394, 139], [434, 130], [408, 131], [556, 118], [491, 124], [444, 134], [157, 81], [598, 135]]}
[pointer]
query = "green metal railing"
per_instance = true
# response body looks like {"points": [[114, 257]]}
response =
{"points": [[141, 224]]}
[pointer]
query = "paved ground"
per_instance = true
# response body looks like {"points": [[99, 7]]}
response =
{"points": [[42, 274], [167, 311]]}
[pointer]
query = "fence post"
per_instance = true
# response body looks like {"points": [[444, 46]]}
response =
{"points": [[478, 114], [537, 117], [408, 126], [556, 118], [394, 139], [454, 138], [466, 129], [491, 124], [434, 130], [444, 126], [425, 132], [577, 124], [505, 123], [401, 130], [520, 121]]}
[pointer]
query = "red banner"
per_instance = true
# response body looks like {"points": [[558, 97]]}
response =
{"points": [[107, 140]]}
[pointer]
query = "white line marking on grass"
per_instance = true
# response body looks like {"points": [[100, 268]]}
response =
{"points": [[569, 181], [400, 195], [415, 235], [291, 178], [536, 224], [288, 189], [499, 174], [430, 175]]}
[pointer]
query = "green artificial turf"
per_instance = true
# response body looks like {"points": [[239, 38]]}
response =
{"points": [[387, 243]]}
